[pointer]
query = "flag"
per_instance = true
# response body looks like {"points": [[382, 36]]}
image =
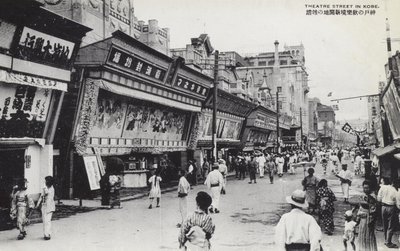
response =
{"points": [[330, 94]]}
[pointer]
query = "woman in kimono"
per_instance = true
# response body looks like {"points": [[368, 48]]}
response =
{"points": [[21, 207], [155, 191], [115, 186], [325, 199], [198, 228], [310, 184], [366, 218]]}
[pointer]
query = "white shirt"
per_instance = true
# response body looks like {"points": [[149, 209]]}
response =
{"points": [[280, 161], [261, 161], [222, 168], [214, 177], [387, 194], [297, 227], [183, 186], [349, 226], [191, 168], [346, 174]]}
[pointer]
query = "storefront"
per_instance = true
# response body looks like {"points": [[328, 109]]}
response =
{"points": [[231, 115], [260, 131], [137, 104], [37, 49], [388, 155]]}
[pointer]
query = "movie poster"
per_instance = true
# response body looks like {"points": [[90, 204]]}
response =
{"points": [[109, 116], [150, 121]]}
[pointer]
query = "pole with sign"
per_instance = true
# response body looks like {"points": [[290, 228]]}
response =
{"points": [[214, 119]]}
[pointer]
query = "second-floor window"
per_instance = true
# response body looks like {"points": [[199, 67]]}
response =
{"points": [[279, 89]]}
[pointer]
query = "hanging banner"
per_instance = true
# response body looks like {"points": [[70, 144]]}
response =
{"points": [[22, 79], [93, 172], [391, 102], [23, 110]]}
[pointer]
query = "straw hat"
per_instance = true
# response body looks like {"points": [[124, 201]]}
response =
{"points": [[298, 199]]}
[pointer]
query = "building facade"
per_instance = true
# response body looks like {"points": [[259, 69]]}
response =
{"points": [[326, 124], [37, 51], [134, 103], [105, 17]]}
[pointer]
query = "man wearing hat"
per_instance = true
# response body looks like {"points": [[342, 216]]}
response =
{"points": [[345, 177], [223, 169], [297, 230], [215, 182]]}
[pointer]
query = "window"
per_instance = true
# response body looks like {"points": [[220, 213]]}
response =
{"points": [[279, 89], [271, 62], [262, 63], [251, 63], [373, 111], [280, 105]]}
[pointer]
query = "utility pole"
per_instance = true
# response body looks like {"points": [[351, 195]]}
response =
{"points": [[277, 121], [301, 129], [215, 94]]}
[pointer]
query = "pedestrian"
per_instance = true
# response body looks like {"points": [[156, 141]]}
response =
{"points": [[22, 205], [324, 162], [291, 164], [366, 219], [357, 164], [115, 187], [215, 183], [325, 201], [155, 191], [195, 170], [105, 189], [252, 170], [271, 169], [223, 169], [345, 177], [279, 161], [46, 202], [261, 165], [205, 168], [349, 230], [297, 230], [191, 173], [183, 191], [310, 184], [198, 228], [335, 162], [387, 197], [242, 168]]}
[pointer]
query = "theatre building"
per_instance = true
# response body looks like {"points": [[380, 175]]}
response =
{"points": [[37, 50], [134, 103], [231, 120], [260, 131]]}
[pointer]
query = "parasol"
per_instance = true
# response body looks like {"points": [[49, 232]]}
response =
{"points": [[115, 165]]}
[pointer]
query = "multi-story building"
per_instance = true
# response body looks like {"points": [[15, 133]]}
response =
{"points": [[105, 17], [326, 124], [283, 73], [313, 118]]}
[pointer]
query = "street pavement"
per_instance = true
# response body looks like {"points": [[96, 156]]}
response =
{"points": [[248, 215]]}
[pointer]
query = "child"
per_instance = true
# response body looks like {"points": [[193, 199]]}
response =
{"points": [[198, 228], [183, 190], [271, 168], [22, 206], [349, 229], [155, 191], [46, 200]]}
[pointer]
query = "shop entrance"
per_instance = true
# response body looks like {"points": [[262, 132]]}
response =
{"points": [[11, 168]]}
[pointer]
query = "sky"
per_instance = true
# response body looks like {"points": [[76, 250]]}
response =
{"points": [[344, 55]]}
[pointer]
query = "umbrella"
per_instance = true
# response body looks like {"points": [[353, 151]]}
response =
{"points": [[115, 165]]}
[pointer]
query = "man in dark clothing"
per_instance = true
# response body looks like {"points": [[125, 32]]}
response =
{"points": [[253, 165]]}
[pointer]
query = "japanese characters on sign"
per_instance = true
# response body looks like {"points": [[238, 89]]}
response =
{"points": [[43, 48], [137, 65], [186, 84]]}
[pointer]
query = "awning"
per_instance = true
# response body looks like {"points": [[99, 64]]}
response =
{"points": [[381, 151], [23, 79], [127, 91]]}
